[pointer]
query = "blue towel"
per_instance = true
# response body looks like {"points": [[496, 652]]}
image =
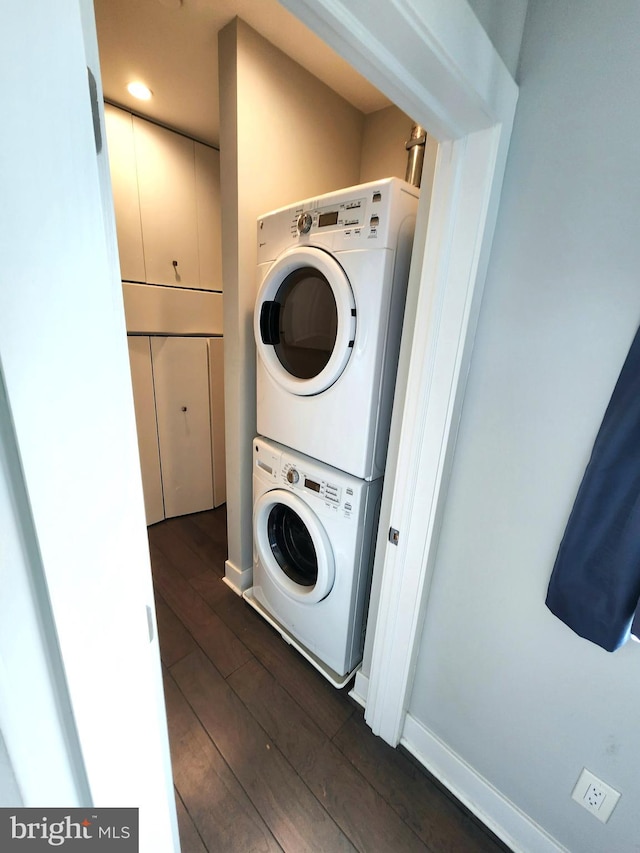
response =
{"points": [[595, 583]]}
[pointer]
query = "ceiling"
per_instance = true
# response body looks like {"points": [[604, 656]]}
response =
{"points": [[172, 46]]}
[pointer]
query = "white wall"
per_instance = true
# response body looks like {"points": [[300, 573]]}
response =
{"points": [[9, 791], [36, 717], [504, 684], [65, 366], [285, 136]]}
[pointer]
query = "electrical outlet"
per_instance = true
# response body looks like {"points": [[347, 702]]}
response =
{"points": [[595, 795]]}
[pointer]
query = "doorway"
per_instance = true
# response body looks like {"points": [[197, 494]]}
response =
{"points": [[467, 171]]}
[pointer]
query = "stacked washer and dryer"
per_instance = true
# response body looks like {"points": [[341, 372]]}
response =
{"points": [[332, 284]]}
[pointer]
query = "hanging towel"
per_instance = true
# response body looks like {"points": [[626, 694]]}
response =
{"points": [[595, 583]]}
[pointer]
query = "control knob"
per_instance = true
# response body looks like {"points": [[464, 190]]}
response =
{"points": [[293, 476], [304, 223]]}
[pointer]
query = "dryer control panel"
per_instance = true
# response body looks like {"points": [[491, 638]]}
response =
{"points": [[365, 216], [347, 214]]}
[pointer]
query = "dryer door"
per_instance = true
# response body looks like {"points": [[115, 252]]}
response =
{"points": [[305, 321], [293, 546]]}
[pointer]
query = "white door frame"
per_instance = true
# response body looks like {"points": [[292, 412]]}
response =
{"points": [[434, 60]]}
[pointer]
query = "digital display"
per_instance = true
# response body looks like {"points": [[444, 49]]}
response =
{"points": [[330, 218], [310, 484]]}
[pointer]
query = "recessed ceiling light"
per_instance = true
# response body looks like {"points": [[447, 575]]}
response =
{"points": [[139, 90]]}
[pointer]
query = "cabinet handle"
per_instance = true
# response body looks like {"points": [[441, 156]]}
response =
{"points": [[184, 408], [175, 263]]}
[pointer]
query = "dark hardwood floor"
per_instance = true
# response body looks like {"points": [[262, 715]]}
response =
{"points": [[266, 754]]}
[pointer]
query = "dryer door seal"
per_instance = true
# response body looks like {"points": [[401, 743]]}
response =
{"points": [[305, 321], [293, 546]]}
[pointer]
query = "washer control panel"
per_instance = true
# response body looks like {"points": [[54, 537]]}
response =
{"points": [[293, 476], [275, 467]]}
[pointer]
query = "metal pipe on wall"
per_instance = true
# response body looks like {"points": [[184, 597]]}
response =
{"points": [[415, 146]]}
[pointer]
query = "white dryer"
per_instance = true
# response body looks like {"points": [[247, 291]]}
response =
{"points": [[332, 284], [314, 529]]}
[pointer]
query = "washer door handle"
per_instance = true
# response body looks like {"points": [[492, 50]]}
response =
{"points": [[270, 322]]}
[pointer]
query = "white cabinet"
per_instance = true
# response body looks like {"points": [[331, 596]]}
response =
{"points": [[145, 408], [181, 381], [166, 191], [124, 185], [180, 421]]}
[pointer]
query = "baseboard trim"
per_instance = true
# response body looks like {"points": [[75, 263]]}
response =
{"points": [[360, 689], [499, 814], [237, 579]]}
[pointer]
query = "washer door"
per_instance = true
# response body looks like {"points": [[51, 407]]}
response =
{"points": [[305, 321], [293, 546]]}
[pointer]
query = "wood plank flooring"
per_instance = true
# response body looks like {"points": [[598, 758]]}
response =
{"points": [[267, 755]]}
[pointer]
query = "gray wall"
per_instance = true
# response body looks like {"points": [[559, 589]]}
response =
{"points": [[500, 681], [503, 21]]}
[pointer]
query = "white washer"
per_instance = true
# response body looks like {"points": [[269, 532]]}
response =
{"points": [[313, 529], [333, 274]]}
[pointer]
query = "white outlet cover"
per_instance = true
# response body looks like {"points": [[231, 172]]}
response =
{"points": [[608, 800]]}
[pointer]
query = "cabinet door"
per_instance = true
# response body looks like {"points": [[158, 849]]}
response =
{"points": [[181, 380], [167, 189], [124, 184], [209, 225], [145, 408], [216, 393]]}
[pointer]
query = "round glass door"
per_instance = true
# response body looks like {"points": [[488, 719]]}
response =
{"points": [[308, 323], [293, 546], [305, 321]]}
